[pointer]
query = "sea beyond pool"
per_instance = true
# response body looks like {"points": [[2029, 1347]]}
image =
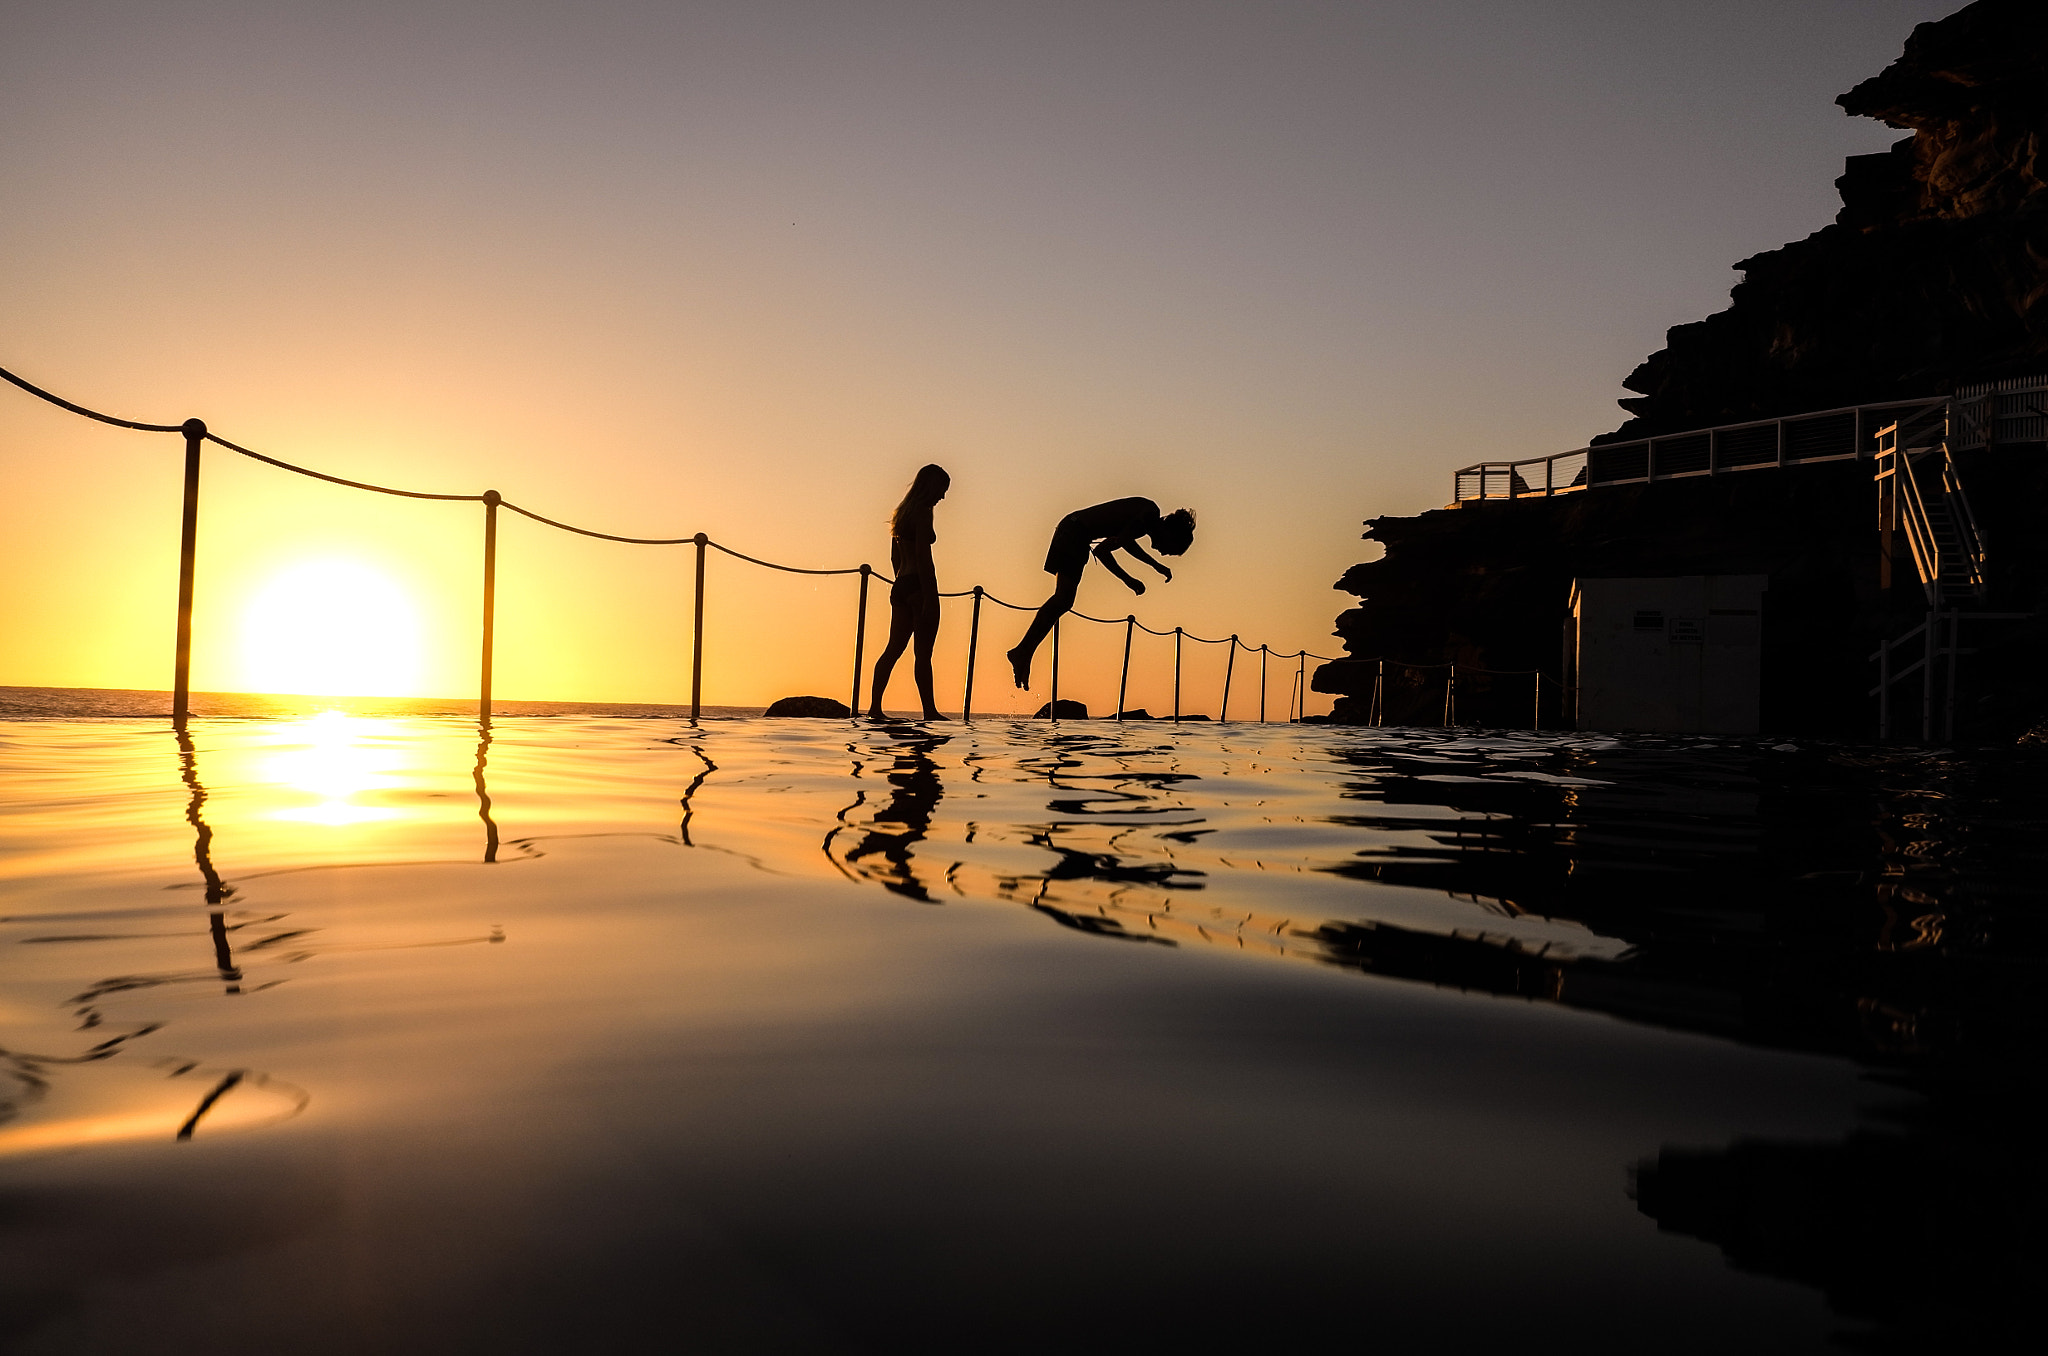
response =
{"points": [[366, 1030]]}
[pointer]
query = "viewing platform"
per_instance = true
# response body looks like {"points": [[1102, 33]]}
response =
{"points": [[2010, 411]]}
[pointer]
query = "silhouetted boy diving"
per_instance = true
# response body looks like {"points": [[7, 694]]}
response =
{"points": [[1112, 527], [914, 597]]}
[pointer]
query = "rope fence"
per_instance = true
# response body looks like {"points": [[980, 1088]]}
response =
{"points": [[196, 435]]}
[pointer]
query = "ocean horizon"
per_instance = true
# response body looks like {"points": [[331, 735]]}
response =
{"points": [[31, 703]]}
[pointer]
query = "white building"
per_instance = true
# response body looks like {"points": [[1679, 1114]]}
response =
{"points": [[1679, 655]]}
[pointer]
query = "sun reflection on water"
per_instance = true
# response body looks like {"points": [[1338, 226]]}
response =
{"points": [[336, 758]]}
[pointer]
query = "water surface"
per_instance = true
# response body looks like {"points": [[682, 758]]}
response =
{"points": [[372, 1033]]}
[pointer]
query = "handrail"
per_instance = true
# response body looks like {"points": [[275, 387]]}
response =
{"points": [[195, 433], [1897, 460], [1839, 434], [1920, 537]]}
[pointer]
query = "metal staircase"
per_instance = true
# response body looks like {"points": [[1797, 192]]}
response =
{"points": [[1920, 491], [1920, 495]]}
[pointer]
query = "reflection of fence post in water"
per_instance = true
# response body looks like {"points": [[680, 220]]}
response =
{"points": [[483, 691], [483, 792], [188, 550], [1229, 667], [697, 639], [973, 640], [860, 637], [217, 890], [1123, 682], [1176, 673]]}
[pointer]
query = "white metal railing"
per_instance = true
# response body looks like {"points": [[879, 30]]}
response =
{"points": [[1821, 435], [1941, 528], [2011, 411]]}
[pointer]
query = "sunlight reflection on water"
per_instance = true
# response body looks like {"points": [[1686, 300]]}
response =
{"points": [[700, 973]]}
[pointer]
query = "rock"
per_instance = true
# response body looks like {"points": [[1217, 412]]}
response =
{"points": [[1061, 710], [1140, 714], [809, 706], [1933, 275], [1935, 272]]}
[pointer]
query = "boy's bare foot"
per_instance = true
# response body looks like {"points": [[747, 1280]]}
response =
{"points": [[1020, 668], [933, 715]]}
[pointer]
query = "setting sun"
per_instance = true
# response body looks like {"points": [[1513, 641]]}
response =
{"points": [[331, 627]]}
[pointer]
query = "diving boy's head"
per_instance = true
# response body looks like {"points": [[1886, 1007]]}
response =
{"points": [[1175, 532]]}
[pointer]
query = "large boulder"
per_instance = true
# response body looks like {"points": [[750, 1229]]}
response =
{"points": [[809, 706], [1062, 710]]}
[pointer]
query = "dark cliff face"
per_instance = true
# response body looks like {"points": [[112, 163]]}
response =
{"points": [[1936, 270], [1934, 274]]}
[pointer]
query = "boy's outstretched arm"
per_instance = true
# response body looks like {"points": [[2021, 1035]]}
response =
{"points": [[1140, 553], [1106, 553]]}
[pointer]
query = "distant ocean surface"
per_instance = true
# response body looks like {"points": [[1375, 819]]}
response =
{"points": [[18, 703]]}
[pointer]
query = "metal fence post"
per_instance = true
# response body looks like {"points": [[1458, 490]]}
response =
{"points": [[697, 637], [1948, 720], [1379, 695], [1884, 689], [188, 549], [1927, 683], [1536, 703], [1123, 681], [1451, 698], [1229, 667], [973, 639], [483, 688], [1176, 673], [1301, 683], [1262, 684], [1052, 709], [860, 637]]}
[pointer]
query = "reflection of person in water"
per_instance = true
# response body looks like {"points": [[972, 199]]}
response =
{"points": [[914, 597], [1111, 527], [914, 792]]}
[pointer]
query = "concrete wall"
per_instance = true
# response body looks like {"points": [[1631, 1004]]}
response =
{"points": [[1680, 655]]}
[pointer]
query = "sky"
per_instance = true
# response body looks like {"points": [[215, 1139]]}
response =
{"points": [[741, 268]]}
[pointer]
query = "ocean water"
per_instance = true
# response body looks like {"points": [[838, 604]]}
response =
{"points": [[377, 1032]]}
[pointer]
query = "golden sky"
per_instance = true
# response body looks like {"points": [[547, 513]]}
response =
{"points": [[741, 268]]}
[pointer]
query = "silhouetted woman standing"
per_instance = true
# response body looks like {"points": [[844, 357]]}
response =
{"points": [[914, 597]]}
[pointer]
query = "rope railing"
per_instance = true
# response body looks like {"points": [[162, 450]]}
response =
{"points": [[1376, 712], [196, 435]]}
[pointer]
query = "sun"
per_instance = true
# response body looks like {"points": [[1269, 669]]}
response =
{"points": [[331, 628]]}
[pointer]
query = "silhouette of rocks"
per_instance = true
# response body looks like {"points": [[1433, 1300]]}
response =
{"points": [[1935, 271], [808, 706], [1061, 710], [1139, 714], [1934, 274]]}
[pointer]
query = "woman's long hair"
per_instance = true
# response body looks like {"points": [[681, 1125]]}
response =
{"points": [[927, 489]]}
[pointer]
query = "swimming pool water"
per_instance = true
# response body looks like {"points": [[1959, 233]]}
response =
{"points": [[382, 1034]]}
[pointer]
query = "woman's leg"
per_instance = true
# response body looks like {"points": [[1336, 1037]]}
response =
{"points": [[1055, 607], [901, 619], [926, 634]]}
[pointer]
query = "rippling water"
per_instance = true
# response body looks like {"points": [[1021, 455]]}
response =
{"points": [[358, 1034]]}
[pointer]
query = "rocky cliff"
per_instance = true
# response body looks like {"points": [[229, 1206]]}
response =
{"points": [[1934, 274], [1936, 269]]}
